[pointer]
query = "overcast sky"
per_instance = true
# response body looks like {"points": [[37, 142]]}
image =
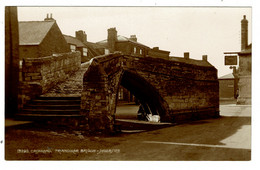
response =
{"points": [[199, 30]]}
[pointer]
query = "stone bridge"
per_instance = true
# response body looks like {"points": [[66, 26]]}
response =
{"points": [[179, 89]]}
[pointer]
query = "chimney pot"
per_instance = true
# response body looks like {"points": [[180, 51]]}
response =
{"points": [[133, 38], [205, 58], [186, 55]]}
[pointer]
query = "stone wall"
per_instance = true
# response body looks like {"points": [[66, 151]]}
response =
{"points": [[245, 80], [177, 91], [40, 74]]}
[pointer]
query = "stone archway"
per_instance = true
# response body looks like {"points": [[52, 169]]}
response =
{"points": [[144, 92], [100, 95], [178, 90]]}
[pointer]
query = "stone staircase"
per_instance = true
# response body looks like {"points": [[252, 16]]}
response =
{"points": [[61, 103], [49, 108]]}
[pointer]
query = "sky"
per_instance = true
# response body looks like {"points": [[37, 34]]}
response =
{"points": [[198, 30]]}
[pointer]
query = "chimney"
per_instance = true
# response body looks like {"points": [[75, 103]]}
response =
{"points": [[111, 39], [49, 19], [204, 57], [81, 35], [186, 55], [156, 48], [133, 38], [244, 33]]}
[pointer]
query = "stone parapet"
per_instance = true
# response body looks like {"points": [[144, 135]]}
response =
{"points": [[41, 74]]}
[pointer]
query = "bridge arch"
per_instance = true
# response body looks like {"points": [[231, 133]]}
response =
{"points": [[177, 90], [144, 92]]}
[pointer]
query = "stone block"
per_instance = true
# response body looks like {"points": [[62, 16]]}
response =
{"points": [[36, 77], [27, 78]]}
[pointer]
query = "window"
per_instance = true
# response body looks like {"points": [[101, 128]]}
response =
{"points": [[141, 51], [72, 48], [134, 50], [106, 51], [85, 52]]}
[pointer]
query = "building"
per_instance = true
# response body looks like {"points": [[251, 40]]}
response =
{"points": [[245, 65], [227, 87], [157, 53], [41, 38], [244, 75], [87, 49], [130, 46], [77, 45]]}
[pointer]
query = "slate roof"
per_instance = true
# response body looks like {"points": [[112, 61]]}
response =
{"points": [[121, 38], [73, 40], [33, 32], [227, 76]]}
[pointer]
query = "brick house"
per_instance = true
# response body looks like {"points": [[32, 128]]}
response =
{"points": [[41, 38], [130, 46], [87, 49]]}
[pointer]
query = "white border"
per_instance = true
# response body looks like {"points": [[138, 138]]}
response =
{"points": [[138, 165]]}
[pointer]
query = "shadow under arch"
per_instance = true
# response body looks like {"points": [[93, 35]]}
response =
{"points": [[144, 92]]}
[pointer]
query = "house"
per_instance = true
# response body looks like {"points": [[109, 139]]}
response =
{"points": [[227, 87], [130, 46], [155, 52], [87, 49], [41, 38]]}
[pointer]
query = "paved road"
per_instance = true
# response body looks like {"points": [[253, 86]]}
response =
{"points": [[225, 138]]}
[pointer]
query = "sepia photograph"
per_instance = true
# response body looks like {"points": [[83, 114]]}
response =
{"points": [[127, 83]]}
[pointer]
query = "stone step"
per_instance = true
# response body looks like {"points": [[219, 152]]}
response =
{"points": [[51, 111], [59, 98], [54, 102], [49, 108], [53, 106]]}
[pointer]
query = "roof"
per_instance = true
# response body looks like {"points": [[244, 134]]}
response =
{"points": [[33, 32], [73, 40], [121, 38], [191, 61], [95, 49], [227, 76]]}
